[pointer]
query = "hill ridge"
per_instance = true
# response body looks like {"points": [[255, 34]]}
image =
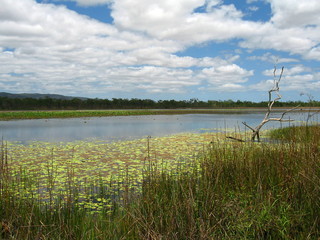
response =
{"points": [[37, 96]]}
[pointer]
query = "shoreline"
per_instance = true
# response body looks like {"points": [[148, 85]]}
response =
{"points": [[48, 114]]}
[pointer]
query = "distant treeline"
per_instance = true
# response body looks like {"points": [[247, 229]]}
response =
{"points": [[134, 103]]}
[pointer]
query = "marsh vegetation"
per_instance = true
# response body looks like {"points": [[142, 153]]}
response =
{"points": [[188, 186], [13, 115]]}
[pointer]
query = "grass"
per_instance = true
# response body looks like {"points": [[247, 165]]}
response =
{"points": [[297, 133], [10, 115], [218, 190], [241, 191]]}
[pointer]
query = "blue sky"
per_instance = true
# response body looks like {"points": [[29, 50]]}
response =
{"points": [[182, 49]]}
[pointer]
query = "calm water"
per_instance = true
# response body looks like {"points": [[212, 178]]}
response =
{"points": [[129, 127]]}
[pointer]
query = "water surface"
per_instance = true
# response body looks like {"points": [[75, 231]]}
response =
{"points": [[130, 127]]}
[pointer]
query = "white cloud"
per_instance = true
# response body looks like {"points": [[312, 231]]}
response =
{"points": [[231, 87], [268, 57], [295, 13], [288, 71], [177, 21], [298, 78], [294, 28], [53, 48], [292, 40], [300, 82], [149, 78], [297, 70], [213, 3], [225, 75], [31, 25], [57, 50], [314, 53]]}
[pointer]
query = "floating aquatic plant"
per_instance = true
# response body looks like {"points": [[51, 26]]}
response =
{"points": [[79, 171]]}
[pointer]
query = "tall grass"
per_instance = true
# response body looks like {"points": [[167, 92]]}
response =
{"points": [[241, 191], [231, 191], [306, 134]]}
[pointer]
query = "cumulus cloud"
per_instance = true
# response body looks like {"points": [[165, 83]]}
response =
{"points": [[51, 48], [274, 59], [55, 49], [159, 79], [293, 28], [313, 53], [298, 78], [176, 20], [31, 25], [297, 69], [295, 13], [228, 77], [292, 40]]}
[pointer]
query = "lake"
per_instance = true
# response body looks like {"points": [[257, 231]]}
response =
{"points": [[132, 127]]}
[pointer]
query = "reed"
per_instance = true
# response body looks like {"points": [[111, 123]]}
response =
{"points": [[306, 134], [241, 191]]}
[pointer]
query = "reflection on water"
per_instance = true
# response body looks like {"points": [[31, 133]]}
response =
{"points": [[130, 127]]}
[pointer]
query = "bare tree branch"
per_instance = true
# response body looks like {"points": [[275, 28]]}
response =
{"points": [[311, 103], [244, 123], [310, 115], [237, 139], [280, 119], [273, 91]]}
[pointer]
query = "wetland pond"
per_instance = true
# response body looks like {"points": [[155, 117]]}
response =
{"points": [[92, 161], [132, 127]]}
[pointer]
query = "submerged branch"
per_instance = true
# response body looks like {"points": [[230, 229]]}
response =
{"points": [[237, 139]]}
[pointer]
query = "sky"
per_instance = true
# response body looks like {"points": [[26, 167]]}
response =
{"points": [[168, 49]]}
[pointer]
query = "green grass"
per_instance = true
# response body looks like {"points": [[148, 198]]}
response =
{"points": [[10, 115], [297, 133], [223, 190]]}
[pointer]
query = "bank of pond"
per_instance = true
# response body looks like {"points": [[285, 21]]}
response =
{"points": [[49, 114], [182, 186]]}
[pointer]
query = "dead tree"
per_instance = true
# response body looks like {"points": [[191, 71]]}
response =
{"points": [[272, 99], [311, 104]]}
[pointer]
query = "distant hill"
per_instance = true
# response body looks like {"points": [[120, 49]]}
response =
{"points": [[37, 96]]}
